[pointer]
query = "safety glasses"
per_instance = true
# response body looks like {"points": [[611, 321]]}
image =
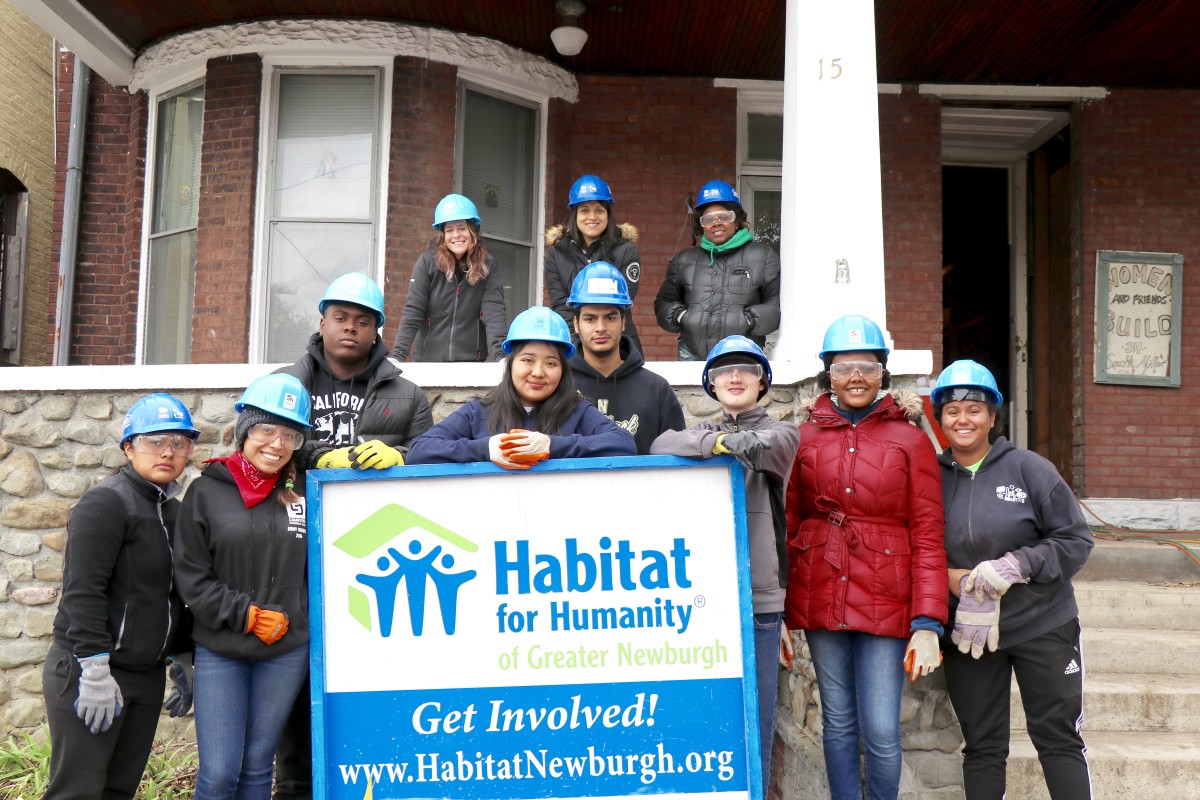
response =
{"points": [[713, 217], [267, 434], [747, 372], [844, 370], [155, 444]]}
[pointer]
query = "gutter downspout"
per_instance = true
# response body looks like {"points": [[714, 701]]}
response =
{"points": [[80, 86]]}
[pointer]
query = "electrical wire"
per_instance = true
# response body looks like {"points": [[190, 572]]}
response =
{"points": [[1119, 533]]}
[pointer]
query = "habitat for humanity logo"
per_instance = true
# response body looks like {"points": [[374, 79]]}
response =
{"points": [[416, 570]]}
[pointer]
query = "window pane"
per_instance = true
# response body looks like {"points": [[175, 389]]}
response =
{"points": [[767, 217], [177, 160], [169, 301], [764, 137], [513, 264], [498, 164], [325, 148], [305, 257]]}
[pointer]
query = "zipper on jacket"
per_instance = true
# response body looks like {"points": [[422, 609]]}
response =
{"points": [[171, 576], [121, 627]]}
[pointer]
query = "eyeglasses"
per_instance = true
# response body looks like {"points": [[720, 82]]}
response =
{"points": [[844, 370], [729, 370], [267, 434], [713, 217], [155, 445]]}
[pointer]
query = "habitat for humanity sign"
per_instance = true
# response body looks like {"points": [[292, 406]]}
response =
{"points": [[579, 630]]}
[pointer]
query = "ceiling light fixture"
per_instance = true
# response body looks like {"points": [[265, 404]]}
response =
{"points": [[569, 38]]}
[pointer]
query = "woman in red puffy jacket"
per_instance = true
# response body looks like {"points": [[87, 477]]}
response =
{"points": [[867, 572]]}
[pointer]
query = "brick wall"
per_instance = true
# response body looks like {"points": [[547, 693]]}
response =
{"points": [[910, 130], [225, 223], [1138, 163]]}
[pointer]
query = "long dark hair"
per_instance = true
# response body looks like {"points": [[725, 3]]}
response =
{"points": [[506, 409], [476, 257], [610, 236], [739, 217]]}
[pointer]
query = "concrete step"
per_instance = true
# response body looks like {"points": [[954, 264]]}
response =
{"points": [[1124, 651], [1140, 561], [1133, 703], [1126, 604], [1123, 766]]}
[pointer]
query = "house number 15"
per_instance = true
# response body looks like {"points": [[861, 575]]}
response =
{"points": [[835, 69]]}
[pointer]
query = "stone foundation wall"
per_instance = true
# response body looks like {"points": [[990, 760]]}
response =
{"points": [[54, 446]]}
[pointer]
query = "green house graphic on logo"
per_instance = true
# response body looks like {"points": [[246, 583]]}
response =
{"points": [[381, 528]]}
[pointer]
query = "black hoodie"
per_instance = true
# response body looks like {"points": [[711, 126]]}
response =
{"points": [[638, 400]]}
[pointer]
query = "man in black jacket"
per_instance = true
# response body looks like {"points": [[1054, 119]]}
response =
{"points": [[609, 369], [364, 414]]}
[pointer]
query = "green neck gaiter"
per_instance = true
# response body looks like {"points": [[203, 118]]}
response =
{"points": [[737, 240]]}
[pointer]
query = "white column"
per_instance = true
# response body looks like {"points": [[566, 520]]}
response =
{"points": [[832, 207]]}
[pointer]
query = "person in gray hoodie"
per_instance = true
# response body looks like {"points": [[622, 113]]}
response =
{"points": [[1014, 538]]}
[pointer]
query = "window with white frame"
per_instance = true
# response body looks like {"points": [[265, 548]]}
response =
{"points": [[499, 169], [171, 252], [761, 147], [322, 209]]}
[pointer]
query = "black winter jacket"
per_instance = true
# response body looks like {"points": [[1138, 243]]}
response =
{"points": [[565, 259], [635, 398], [737, 294], [228, 556], [119, 594], [1017, 502], [451, 320]]}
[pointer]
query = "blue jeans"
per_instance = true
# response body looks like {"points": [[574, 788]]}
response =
{"points": [[241, 706], [766, 654], [861, 678]]}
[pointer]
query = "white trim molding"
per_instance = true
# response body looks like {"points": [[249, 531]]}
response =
{"points": [[1012, 93], [84, 35]]}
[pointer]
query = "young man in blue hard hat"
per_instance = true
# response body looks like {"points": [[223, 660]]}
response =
{"points": [[609, 370], [738, 375], [364, 414]]}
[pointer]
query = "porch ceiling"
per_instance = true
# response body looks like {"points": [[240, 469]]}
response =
{"points": [[1047, 42]]}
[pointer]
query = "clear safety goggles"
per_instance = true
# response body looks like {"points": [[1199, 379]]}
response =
{"points": [[745, 371], [264, 433], [158, 443], [844, 370], [713, 217]]}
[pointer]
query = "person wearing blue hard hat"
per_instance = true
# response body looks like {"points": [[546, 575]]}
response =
{"points": [[534, 413], [866, 556], [1014, 538], [737, 374], [609, 368], [120, 619], [727, 285], [588, 235], [241, 558], [455, 305]]}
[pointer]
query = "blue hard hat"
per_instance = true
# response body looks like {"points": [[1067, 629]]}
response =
{"points": [[589, 188], [850, 333], [735, 345], [157, 413], [280, 394], [538, 324], [966, 374], [717, 192], [455, 207], [599, 283], [357, 289]]}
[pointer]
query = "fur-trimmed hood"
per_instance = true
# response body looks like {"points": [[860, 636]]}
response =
{"points": [[906, 400], [628, 233]]}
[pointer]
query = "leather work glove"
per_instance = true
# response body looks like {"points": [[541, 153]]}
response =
{"points": [[336, 459], [993, 578], [100, 699], [745, 446], [268, 623], [180, 671], [787, 649], [499, 457], [377, 455], [976, 623], [923, 655], [525, 447]]}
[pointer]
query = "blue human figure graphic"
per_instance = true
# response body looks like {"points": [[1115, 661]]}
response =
{"points": [[418, 572], [447, 585], [385, 587]]}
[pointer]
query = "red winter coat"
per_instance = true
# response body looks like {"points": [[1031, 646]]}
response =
{"points": [[864, 521]]}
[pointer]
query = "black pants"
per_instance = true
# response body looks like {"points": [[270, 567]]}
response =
{"points": [[98, 766], [293, 755], [1049, 671]]}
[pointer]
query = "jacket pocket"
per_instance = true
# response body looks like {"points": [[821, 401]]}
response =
{"points": [[889, 556], [740, 282]]}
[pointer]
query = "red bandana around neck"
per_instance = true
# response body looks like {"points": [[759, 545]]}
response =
{"points": [[253, 484]]}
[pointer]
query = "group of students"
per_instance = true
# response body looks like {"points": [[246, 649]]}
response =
{"points": [[858, 538], [726, 284]]}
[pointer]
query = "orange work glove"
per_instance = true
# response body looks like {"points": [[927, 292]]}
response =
{"points": [[499, 457], [268, 623], [525, 447]]}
